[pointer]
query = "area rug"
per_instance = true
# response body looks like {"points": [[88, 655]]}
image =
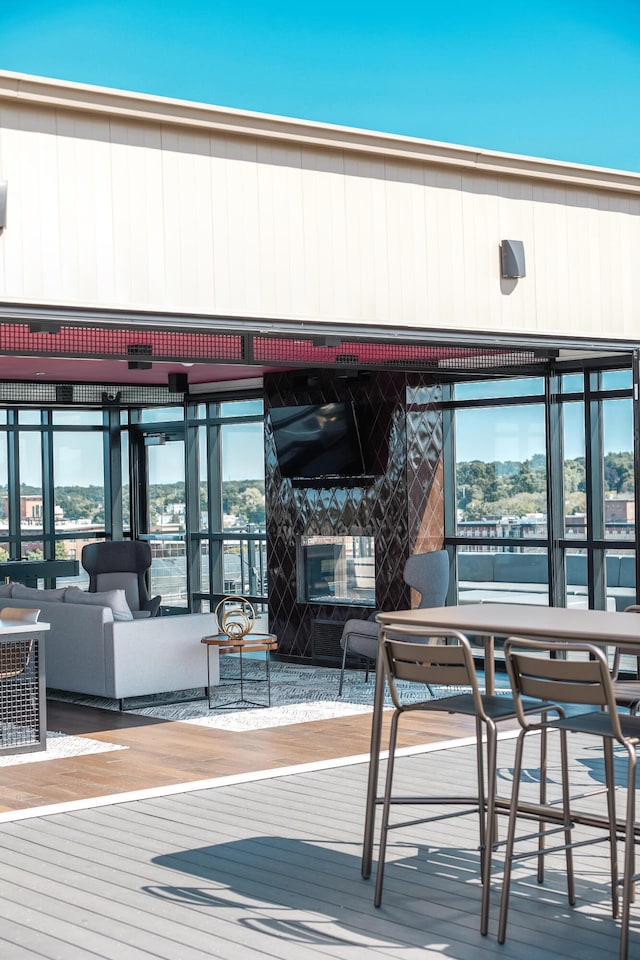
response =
{"points": [[61, 747], [299, 694]]}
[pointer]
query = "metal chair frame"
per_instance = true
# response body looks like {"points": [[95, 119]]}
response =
{"points": [[627, 692], [446, 661], [585, 682]]}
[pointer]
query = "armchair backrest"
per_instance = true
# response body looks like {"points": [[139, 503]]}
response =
{"points": [[428, 573], [121, 564]]}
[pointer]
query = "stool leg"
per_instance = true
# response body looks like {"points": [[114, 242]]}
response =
{"points": [[344, 662], [543, 800], [629, 852], [566, 812], [386, 805], [610, 785], [490, 825], [511, 834]]}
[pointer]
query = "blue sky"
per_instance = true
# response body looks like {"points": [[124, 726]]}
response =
{"points": [[551, 78]]}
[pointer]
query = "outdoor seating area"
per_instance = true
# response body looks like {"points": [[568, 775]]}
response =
{"points": [[253, 879], [216, 863]]}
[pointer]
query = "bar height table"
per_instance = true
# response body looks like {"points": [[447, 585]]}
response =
{"points": [[491, 620]]}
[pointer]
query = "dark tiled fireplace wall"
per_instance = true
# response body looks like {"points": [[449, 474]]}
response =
{"points": [[401, 431]]}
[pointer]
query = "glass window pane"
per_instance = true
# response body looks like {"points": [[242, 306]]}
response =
{"points": [[204, 567], [203, 485], [78, 474], [29, 416], [243, 476], [169, 572], [619, 483], [161, 414], [126, 498], [501, 477], [242, 408], [30, 482], [503, 575], [572, 383], [4, 504], [77, 418], [616, 380], [575, 482], [166, 489], [32, 549], [244, 567], [490, 389], [621, 578]]}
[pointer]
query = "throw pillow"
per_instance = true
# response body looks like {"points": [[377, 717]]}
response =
{"points": [[116, 599], [20, 592]]}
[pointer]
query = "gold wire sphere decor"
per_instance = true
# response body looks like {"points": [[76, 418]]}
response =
{"points": [[236, 621]]}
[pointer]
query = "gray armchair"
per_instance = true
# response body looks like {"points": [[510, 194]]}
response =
{"points": [[122, 564], [428, 573]]}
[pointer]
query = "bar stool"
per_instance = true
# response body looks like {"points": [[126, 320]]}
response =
{"points": [[447, 661], [536, 671]]}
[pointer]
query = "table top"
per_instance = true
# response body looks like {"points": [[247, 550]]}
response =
{"points": [[251, 642], [11, 627], [525, 620]]}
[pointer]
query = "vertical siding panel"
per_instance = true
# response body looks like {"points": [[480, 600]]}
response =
{"points": [[186, 178], [450, 250], [68, 228], [406, 243], [324, 238], [281, 228], [242, 227], [519, 310], [481, 226], [550, 276], [138, 222], [219, 192], [30, 246], [366, 240]]}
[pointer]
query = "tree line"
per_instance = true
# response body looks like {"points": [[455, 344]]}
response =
{"points": [[514, 488]]}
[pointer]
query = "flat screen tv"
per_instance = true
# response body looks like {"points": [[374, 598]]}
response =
{"points": [[317, 440]]}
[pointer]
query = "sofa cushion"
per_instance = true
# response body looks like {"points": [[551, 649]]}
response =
{"points": [[20, 592], [5, 589], [115, 599]]}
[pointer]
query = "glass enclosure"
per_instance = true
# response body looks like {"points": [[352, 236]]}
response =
{"points": [[336, 570]]}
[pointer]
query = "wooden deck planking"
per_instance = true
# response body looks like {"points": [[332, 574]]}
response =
{"points": [[272, 869]]}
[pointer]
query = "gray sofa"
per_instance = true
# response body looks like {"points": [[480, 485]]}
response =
{"points": [[527, 573], [88, 651]]}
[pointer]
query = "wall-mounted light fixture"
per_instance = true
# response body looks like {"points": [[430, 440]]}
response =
{"points": [[3, 204], [512, 259]]}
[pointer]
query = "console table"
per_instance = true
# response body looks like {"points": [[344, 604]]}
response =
{"points": [[250, 643], [23, 699]]}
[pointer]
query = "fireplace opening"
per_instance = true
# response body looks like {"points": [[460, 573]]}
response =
{"points": [[336, 569]]}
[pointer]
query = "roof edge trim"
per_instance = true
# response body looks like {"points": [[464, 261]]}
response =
{"points": [[143, 108]]}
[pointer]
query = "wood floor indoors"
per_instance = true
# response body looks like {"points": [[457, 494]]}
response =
{"points": [[161, 753]]}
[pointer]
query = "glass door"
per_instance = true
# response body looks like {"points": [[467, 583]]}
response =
{"points": [[162, 513]]}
